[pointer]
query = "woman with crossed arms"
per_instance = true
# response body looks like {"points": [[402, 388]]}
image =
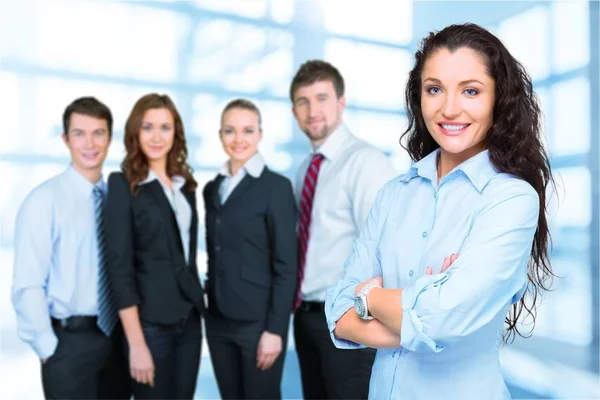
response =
{"points": [[475, 198]]}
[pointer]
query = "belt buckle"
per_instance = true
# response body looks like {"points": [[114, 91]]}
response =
{"points": [[64, 324]]}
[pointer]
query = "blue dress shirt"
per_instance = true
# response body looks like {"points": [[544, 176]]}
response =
{"points": [[56, 258], [452, 322]]}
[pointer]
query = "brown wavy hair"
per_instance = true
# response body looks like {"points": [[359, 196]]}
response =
{"points": [[514, 140], [135, 165]]}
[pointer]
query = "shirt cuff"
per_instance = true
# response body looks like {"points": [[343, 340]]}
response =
{"points": [[45, 345], [413, 335], [334, 310]]}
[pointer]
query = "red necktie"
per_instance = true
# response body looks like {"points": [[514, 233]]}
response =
{"points": [[306, 204]]}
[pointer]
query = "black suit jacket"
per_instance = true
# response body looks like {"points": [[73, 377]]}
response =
{"points": [[252, 250], [144, 253]]}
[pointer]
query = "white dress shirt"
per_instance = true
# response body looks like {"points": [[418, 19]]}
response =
{"points": [[253, 167], [56, 258], [350, 176], [181, 208]]}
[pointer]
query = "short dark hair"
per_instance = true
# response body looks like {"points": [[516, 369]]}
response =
{"points": [[317, 70], [91, 107], [244, 104]]}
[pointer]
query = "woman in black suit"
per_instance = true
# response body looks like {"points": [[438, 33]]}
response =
{"points": [[252, 262], [151, 239]]}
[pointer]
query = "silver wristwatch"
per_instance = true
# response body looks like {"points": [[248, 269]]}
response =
{"points": [[360, 301]]}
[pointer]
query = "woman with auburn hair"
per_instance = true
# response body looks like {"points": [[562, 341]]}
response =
{"points": [[455, 251], [151, 228]]}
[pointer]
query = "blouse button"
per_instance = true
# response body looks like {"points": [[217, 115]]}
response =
{"points": [[424, 234], [410, 273]]}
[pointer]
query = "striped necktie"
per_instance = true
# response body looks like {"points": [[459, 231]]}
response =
{"points": [[306, 204], [107, 312]]}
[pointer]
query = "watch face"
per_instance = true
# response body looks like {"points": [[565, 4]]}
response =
{"points": [[359, 307]]}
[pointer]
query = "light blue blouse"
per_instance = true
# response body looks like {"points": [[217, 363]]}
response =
{"points": [[452, 322]]}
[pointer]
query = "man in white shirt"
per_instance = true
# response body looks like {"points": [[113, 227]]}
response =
{"points": [[60, 291], [335, 188]]}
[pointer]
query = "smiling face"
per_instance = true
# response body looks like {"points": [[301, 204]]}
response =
{"points": [[318, 110], [88, 139], [240, 134], [157, 134], [457, 102]]}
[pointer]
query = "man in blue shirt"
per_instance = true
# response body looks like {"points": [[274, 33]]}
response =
{"points": [[60, 289]]}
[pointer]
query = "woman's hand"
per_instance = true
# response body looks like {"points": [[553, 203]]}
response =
{"points": [[428, 271], [141, 365], [378, 281], [447, 263], [269, 348]]}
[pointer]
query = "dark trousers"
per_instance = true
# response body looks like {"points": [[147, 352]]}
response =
{"points": [[233, 349], [175, 352], [329, 372], [87, 365]]}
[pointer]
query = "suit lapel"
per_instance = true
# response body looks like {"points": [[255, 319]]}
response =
{"points": [[240, 189], [157, 192], [191, 199], [214, 195]]}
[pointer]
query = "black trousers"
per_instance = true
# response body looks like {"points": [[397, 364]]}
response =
{"points": [[87, 365], [328, 372], [233, 348], [176, 353]]}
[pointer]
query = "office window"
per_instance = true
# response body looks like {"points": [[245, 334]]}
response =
{"points": [[571, 48], [281, 11], [123, 40], [526, 35], [570, 120], [381, 20], [241, 57], [383, 131], [575, 194], [10, 121], [245, 8], [375, 76]]}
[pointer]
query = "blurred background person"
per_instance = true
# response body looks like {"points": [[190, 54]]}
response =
{"points": [[61, 293], [335, 188], [252, 265], [151, 227]]}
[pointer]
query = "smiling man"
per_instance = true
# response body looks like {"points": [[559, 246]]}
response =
{"points": [[60, 289], [335, 188]]}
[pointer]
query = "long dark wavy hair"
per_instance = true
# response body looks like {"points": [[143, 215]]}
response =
{"points": [[514, 139], [135, 165]]}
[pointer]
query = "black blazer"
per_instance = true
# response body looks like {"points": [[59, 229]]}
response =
{"points": [[252, 250], [144, 253]]}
